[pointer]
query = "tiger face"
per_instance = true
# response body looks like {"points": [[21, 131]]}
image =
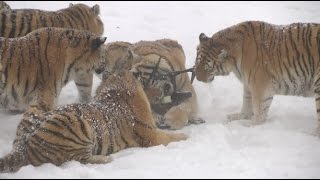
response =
{"points": [[158, 87], [77, 45], [212, 60], [159, 91]]}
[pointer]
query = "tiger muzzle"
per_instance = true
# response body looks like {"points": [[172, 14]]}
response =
{"points": [[168, 102]]}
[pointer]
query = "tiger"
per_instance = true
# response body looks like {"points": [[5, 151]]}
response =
{"points": [[20, 22], [172, 58], [45, 60], [4, 7], [119, 117], [268, 59]]}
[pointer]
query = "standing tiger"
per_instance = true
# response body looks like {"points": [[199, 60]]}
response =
{"points": [[119, 117], [268, 59], [20, 22], [171, 58], [42, 62]]}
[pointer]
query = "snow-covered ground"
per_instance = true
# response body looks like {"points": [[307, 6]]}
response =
{"points": [[283, 147]]}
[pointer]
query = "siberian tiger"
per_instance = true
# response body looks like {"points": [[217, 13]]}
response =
{"points": [[119, 117], [171, 56], [42, 62], [20, 22], [268, 59]]}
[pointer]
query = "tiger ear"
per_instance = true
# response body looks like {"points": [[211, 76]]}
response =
{"points": [[135, 57], [96, 9], [70, 5], [135, 72], [130, 54], [96, 43], [203, 37], [223, 54], [127, 62]]}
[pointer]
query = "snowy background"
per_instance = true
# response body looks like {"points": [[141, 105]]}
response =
{"points": [[283, 147]]}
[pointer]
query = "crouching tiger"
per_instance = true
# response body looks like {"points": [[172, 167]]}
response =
{"points": [[119, 117], [268, 59], [45, 60], [169, 56]]}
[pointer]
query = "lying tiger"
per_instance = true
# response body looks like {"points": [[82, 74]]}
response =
{"points": [[171, 58], [119, 117], [45, 60]]}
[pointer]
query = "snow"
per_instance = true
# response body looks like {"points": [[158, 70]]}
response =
{"points": [[282, 147]]}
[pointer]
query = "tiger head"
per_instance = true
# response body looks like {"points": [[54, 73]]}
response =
{"points": [[92, 17], [83, 49], [116, 55], [157, 87], [158, 82], [212, 59]]}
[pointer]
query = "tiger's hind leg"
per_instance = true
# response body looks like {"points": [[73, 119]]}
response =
{"points": [[83, 81], [247, 110], [317, 99]]}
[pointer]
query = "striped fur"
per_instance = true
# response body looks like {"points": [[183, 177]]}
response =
{"points": [[42, 62], [4, 6], [20, 22], [268, 59], [119, 117], [172, 58]]}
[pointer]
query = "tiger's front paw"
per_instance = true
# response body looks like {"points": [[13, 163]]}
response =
{"points": [[174, 120], [84, 99], [180, 137], [238, 116]]}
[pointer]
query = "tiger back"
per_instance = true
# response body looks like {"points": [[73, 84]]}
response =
{"points": [[172, 58], [119, 117], [42, 62], [268, 59], [20, 22], [4, 6]]}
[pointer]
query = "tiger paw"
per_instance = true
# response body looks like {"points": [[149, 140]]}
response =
{"points": [[180, 136], [175, 119], [252, 122], [99, 159], [238, 116]]}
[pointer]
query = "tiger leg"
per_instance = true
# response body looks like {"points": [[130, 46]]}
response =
{"points": [[317, 99], [193, 115], [159, 137], [176, 117], [247, 110], [44, 100], [261, 106], [187, 112], [83, 81]]}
